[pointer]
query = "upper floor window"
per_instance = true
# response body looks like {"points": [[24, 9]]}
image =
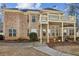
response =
{"points": [[33, 19], [43, 19], [51, 16]]}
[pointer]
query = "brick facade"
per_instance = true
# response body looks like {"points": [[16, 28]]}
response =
{"points": [[23, 23]]}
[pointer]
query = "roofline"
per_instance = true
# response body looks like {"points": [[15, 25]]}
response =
{"points": [[25, 10]]}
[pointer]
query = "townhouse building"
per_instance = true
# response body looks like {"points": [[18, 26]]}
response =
{"points": [[49, 24]]}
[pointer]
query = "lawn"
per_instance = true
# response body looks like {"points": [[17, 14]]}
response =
{"points": [[67, 47]]}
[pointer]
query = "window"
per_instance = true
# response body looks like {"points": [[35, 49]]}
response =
{"points": [[33, 18], [12, 32], [57, 32], [44, 32], [65, 32], [51, 16], [43, 19], [71, 32], [28, 32], [52, 32]]}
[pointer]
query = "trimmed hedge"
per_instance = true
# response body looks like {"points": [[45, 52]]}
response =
{"points": [[1, 37], [33, 36]]}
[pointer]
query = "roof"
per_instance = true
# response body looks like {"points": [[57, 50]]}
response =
{"points": [[12, 8], [50, 9], [25, 10], [53, 10]]}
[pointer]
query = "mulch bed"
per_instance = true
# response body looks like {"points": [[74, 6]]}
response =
{"points": [[53, 44], [14, 41], [66, 47]]}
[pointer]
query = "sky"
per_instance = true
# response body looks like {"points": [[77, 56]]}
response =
{"points": [[59, 6]]}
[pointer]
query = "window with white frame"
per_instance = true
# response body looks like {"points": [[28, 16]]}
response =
{"points": [[57, 32], [52, 16], [43, 19], [12, 32], [71, 32], [33, 19], [65, 31], [52, 32]]}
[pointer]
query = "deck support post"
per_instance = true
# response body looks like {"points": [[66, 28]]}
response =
{"points": [[40, 30], [29, 24], [74, 32], [40, 33], [48, 33], [62, 32]]}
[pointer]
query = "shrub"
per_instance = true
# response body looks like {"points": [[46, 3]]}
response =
{"points": [[20, 39], [33, 36], [1, 37]]}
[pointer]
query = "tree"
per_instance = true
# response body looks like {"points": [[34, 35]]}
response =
{"points": [[74, 11]]}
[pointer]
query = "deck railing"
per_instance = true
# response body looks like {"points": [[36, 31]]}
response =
{"points": [[43, 19], [63, 18], [53, 18]]}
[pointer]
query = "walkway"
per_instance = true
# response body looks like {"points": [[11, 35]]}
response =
{"points": [[51, 51]]}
